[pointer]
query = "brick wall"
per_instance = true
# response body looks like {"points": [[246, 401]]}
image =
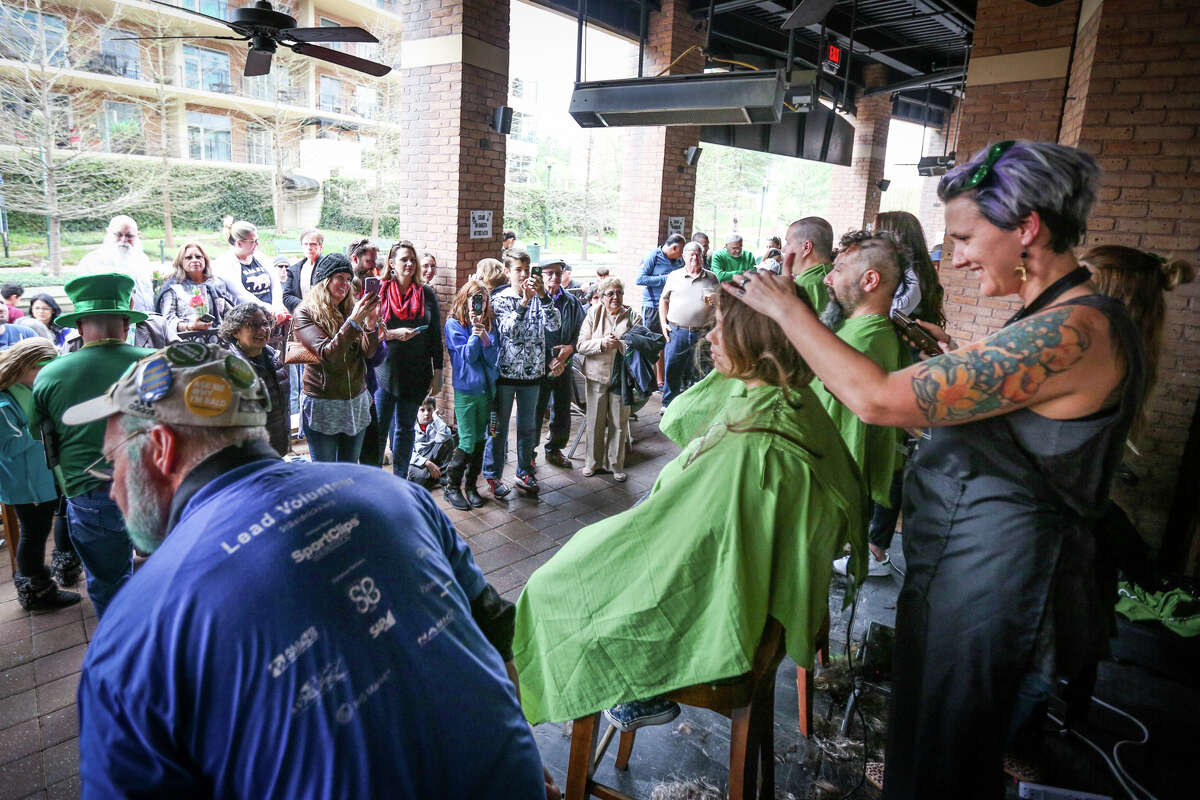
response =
{"points": [[1132, 99], [1140, 117], [854, 192]]}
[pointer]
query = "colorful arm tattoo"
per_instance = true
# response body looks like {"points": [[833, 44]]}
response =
{"points": [[1004, 371]]}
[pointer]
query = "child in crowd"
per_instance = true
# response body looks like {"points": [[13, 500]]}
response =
{"points": [[474, 346], [432, 443]]}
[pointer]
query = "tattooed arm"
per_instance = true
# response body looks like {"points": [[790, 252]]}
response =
{"points": [[1061, 362]]}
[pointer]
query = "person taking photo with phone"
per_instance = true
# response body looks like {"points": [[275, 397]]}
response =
{"points": [[412, 368], [474, 347], [193, 300]]}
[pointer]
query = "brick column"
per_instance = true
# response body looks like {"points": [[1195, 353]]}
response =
{"points": [[1134, 103], [656, 184], [854, 195], [454, 71]]}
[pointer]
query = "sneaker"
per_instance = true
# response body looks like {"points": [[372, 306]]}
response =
{"points": [[640, 713], [499, 488], [557, 458], [474, 498], [875, 569], [527, 483], [455, 498], [619, 477], [588, 472]]}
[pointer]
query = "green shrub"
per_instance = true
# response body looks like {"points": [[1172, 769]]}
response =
{"points": [[336, 213]]}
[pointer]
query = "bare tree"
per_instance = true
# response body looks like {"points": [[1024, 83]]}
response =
{"points": [[54, 127]]}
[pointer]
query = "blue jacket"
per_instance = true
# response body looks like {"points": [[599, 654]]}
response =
{"points": [[24, 476], [473, 366], [653, 275]]}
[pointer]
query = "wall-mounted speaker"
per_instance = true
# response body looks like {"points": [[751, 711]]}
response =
{"points": [[502, 119]]}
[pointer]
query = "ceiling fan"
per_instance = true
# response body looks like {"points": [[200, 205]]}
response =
{"points": [[266, 29]]}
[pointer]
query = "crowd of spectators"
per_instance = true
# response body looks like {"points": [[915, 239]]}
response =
{"points": [[787, 377]]}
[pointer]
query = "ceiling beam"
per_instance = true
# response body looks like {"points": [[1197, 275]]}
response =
{"points": [[920, 81]]}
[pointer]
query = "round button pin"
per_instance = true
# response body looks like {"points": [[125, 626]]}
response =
{"points": [[208, 395], [154, 380]]}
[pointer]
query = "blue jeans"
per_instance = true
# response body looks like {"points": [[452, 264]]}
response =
{"points": [[97, 530], [496, 452], [681, 363], [334, 446], [396, 416], [295, 387]]}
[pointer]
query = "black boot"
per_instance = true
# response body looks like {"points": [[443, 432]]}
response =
{"points": [[65, 568], [473, 470], [454, 474], [42, 594]]}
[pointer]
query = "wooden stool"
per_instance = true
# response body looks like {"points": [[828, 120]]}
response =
{"points": [[804, 680], [749, 702]]}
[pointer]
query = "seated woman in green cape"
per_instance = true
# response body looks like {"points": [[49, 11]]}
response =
{"points": [[742, 525]]}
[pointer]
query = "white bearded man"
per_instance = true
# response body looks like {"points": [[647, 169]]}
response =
{"points": [[122, 253]]}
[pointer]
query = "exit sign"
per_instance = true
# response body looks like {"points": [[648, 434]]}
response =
{"points": [[833, 59]]}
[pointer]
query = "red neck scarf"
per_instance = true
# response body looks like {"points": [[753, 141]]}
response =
{"points": [[401, 305]]}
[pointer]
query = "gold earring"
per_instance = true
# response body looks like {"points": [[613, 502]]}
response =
{"points": [[1020, 270]]}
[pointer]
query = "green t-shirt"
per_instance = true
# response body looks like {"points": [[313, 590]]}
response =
{"points": [[812, 281], [726, 266], [875, 448], [69, 380]]}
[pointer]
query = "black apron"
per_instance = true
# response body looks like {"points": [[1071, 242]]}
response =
{"points": [[998, 515]]}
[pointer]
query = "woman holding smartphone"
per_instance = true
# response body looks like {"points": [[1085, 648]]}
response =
{"points": [[412, 368], [193, 300], [474, 346]]}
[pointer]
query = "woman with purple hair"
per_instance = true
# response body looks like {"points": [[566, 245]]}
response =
{"points": [[1026, 430]]}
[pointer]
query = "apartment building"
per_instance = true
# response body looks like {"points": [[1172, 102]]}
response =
{"points": [[188, 97]]}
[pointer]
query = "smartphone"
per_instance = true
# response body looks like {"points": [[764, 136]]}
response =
{"points": [[477, 303], [420, 329], [205, 318], [371, 285], [536, 272], [916, 333]]}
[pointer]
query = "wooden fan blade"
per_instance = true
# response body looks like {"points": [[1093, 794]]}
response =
{"points": [[258, 62], [144, 38], [344, 59], [327, 35], [208, 17]]}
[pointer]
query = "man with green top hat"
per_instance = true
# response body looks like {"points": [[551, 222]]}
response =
{"points": [[103, 315]]}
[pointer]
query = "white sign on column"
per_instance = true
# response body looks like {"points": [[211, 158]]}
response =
{"points": [[675, 225], [481, 224]]}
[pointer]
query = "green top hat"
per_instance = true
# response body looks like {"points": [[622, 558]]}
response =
{"points": [[100, 294]]}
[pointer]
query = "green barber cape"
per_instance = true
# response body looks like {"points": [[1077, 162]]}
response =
{"points": [[676, 590], [725, 266], [876, 449], [812, 281]]}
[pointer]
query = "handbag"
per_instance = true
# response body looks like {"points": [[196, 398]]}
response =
{"points": [[298, 352]]}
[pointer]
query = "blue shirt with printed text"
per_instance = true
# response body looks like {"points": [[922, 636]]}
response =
{"points": [[305, 630]]}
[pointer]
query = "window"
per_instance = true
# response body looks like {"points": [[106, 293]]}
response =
{"points": [[210, 137], [18, 106], [32, 36], [331, 23], [520, 169], [206, 69], [118, 57], [258, 145], [523, 127], [364, 101], [120, 126], [331, 94], [260, 87], [214, 8]]}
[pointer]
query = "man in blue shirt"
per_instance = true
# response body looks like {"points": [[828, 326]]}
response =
{"points": [[653, 276], [302, 630], [11, 334]]}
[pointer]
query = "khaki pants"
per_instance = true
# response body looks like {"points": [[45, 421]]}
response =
{"points": [[607, 418]]}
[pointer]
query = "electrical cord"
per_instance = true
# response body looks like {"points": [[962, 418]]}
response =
{"points": [[1114, 763], [862, 778]]}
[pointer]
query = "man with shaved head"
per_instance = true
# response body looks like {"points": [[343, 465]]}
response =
{"points": [[808, 254]]}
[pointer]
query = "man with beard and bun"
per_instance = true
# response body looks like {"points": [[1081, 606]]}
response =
{"points": [[102, 316], [860, 289], [122, 252], [301, 630]]}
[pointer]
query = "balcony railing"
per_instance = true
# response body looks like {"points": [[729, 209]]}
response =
{"points": [[113, 64]]}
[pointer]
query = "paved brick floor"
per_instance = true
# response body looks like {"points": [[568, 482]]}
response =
{"points": [[40, 654]]}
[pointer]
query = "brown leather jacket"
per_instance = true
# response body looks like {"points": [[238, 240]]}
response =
{"points": [[341, 373]]}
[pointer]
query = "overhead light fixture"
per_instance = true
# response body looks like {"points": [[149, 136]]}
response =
{"points": [[818, 135], [929, 166], [692, 155], [808, 12], [719, 98]]}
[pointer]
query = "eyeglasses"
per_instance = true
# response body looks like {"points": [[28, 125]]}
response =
{"points": [[262, 325], [613, 293], [94, 470], [128, 236]]}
